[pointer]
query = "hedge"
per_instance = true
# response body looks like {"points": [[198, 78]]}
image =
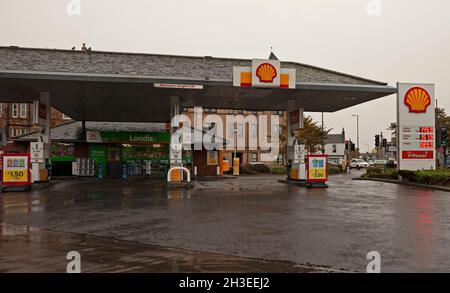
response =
{"points": [[374, 172], [254, 169], [277, 169], [432, 177]]}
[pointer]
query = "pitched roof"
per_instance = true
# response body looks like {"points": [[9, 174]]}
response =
{"points": [[335, 138], [154, 65]]}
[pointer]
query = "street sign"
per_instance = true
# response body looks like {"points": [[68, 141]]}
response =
{"points": [[179, 86], [16, 169], [299, 153], [416, 126]]}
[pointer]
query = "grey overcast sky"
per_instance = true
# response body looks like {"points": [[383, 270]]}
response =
{"points": [[409, 41]]}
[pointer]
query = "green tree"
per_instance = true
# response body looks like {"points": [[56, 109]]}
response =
{"points": [[312, 134], [393, 128], [442, 120]]}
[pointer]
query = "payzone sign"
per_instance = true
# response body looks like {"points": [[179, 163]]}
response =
{"points": [[16, 169], [416, 127]]}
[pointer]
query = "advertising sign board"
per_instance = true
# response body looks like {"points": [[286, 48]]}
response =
{"points": [[416, 126], [16, 169], [317, 168]]}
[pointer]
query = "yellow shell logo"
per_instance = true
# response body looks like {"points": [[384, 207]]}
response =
{"points": [[417, 99], [266, 72]]}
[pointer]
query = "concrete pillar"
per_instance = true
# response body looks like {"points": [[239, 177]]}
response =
{"points": [[176, 151], [42, 118], [293, 148]]}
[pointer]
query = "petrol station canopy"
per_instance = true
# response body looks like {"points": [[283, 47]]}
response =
{"points": [[111, 86]]}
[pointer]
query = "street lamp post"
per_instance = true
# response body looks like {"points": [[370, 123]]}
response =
{"points": [[357, 131]]}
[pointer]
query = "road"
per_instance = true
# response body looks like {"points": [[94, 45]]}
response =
{"points": [[254, 216]]}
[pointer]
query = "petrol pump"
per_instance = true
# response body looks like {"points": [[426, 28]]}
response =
{"points": [[296, 157]]}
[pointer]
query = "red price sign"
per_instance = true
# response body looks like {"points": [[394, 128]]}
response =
{"points": [[426, 145], [426, 129], [426, 137]]}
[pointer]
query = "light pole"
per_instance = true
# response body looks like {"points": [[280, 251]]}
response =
{"points": [[357, 131]]}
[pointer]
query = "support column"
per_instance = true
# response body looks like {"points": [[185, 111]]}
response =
{"points": [[41, 117], [295, 151], [176, 150]]}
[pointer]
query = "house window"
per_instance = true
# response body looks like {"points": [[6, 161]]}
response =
{"points": [[23, 110], [334, 149], [1, 109], [17, 131], [15, 110], [230, 129], [276, 129], [254, 130], [206, 126], [240, 130], [254, 157]]}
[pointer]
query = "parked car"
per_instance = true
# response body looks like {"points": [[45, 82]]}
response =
{"points": [[358, 164], [371, 162]]}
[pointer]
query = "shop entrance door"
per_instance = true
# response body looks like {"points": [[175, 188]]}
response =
{"points": [[114, 162]]}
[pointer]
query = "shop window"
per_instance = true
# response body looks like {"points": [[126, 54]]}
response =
{"points": [[15, 110], [23, 110]]}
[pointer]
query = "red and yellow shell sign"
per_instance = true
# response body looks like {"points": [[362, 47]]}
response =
{"points": [[417, 99], [266, 72]]}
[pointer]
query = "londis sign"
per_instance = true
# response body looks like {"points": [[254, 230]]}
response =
{"points": [[16, 169], [416, 126], [264, 74]]}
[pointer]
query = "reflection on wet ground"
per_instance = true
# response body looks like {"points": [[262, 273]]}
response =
{"points": [[253, 216], [25, 249]]}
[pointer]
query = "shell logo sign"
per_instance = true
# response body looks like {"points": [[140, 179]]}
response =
{"points": [[417, 99], [266, 72]]}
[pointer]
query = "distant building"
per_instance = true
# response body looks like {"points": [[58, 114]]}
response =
{"points": [[246, 156], [16, 119], [335, 147]]}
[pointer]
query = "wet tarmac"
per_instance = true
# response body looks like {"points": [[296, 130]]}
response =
{"points": [[31, 250], [254, 216]]}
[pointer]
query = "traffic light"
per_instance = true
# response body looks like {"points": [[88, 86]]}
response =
{"points": [[346, 145], [377, 140], [352, 146], [444, 137], [384, 142]]}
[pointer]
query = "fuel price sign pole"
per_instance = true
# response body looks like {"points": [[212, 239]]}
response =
{"points": [[16, 170]]}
